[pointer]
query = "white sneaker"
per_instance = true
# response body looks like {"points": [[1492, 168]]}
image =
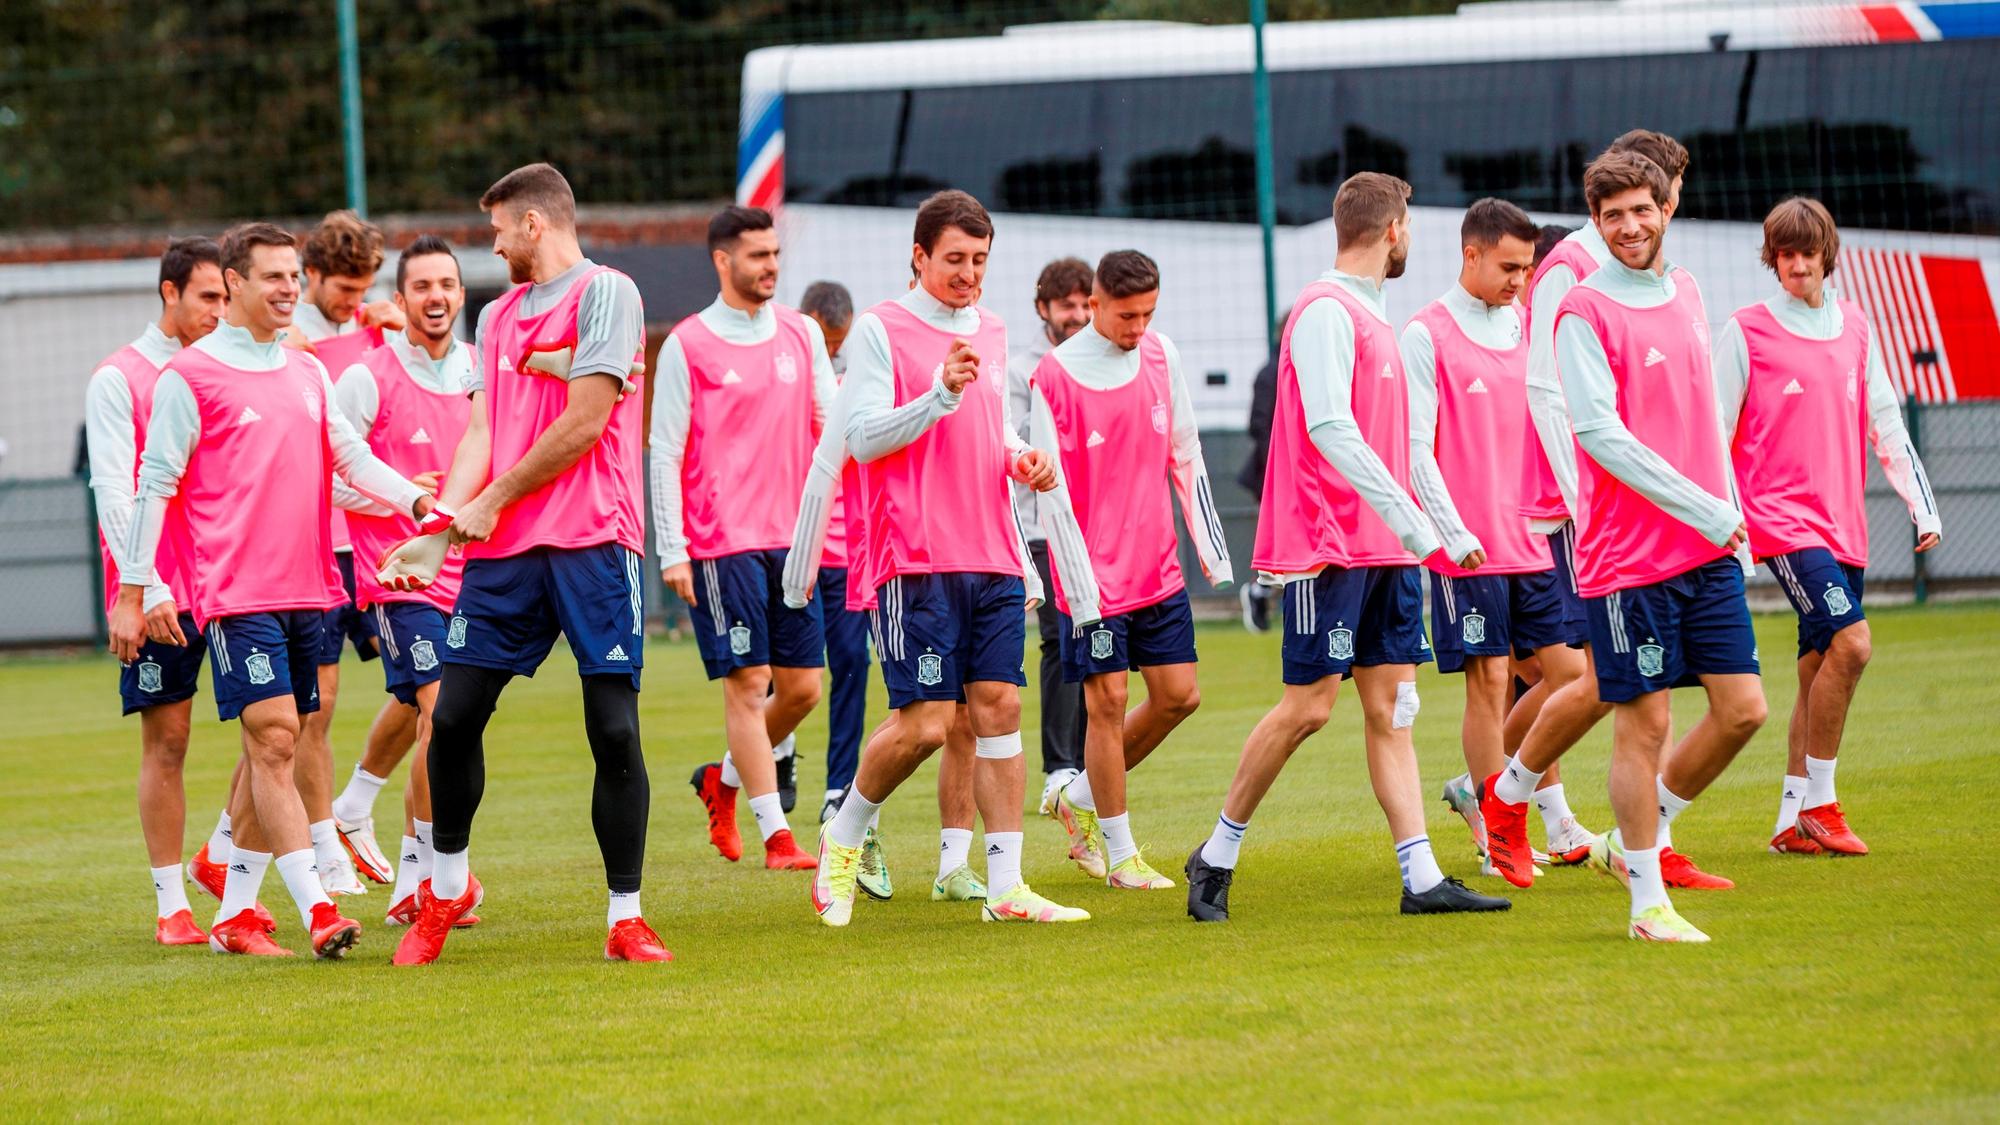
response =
{"points": [[338, 878], [1464, 800], [1570, 843], [359, 840], [1053, 785]]}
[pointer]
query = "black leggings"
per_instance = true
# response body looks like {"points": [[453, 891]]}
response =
{"points": [[619, 801]]}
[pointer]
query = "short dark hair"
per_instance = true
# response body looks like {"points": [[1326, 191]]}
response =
{"points": [[1668, 153], [1366, 204], [731, 223], [1062, 277], [534, 187], [425, 244], [238, 241], [343, 245], [1547, 238], [830, 302], [1801, 224], [1127, 273], [182, 255], [947, 209], [1620, 170], [1489, 220]]}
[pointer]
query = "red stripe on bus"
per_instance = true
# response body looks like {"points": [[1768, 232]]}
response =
{"points": [[1967, 322], [770, 190], [1889, 23]]}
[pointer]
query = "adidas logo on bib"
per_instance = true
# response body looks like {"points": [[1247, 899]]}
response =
{"points": [[1478, 387], [1096, 439], [730, 378], [420, 437], [617, 653], [1793, 388], [248, 416], [1388, 372], [1654, 358]]}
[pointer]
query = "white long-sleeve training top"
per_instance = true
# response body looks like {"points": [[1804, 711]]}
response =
{"points": [[361, 400]]}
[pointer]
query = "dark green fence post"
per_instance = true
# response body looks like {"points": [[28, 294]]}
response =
{"points": [[1267, 201], [350, 108]]}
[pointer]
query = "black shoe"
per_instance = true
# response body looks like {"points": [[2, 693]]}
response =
{"points": [[1208, 888], [788, 781], [1451, 897], [1256, 608]]}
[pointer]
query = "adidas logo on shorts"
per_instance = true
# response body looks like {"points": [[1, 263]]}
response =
{"points": [[617, 653]]}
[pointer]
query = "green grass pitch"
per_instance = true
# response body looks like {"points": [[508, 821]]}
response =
{"points": [[1835, 989]]}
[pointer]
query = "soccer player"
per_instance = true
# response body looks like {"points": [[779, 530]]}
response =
{"points": [[832, 308], [158, 683], [408, 399], [1339, 529], [925, 413], [1656, 536], [1548, 722], [1113, 399], [1467, 362], [243, 442], [1804, 393], [1062, 303], [545, 492], [742, 389]]}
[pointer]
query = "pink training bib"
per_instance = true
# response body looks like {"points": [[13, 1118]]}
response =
{"points": [[597, 500], [1801, 445], [750, 436], [1666, 397], [416, 431], [255, 495], [1541, 497], [1310, 516], [1482, 398], [941, 504], [168, 566], [1117, 450]]}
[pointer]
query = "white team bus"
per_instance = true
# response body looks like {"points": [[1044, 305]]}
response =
{"points": [[1086, 137]]}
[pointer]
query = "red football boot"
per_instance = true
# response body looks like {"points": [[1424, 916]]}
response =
{"points": [[1827, 826], [466, 920], [209, 878], [781, 853], [1677, 870], [244, 934], [1507, 836], [178, 928], [332, 935], [424, 940], [633, 940], [403, 913], [1793, 841], [720, 800]]}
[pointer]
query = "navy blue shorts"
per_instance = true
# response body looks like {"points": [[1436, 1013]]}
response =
{"points": [[1825, 592], [1562, 546], [163, 673], [510, 610], [741, 620], [1671, 633], [937, 633], [1147, 637], [347, 622], [1340, 618], [411, 633], [259, 656], [1498, 615]]}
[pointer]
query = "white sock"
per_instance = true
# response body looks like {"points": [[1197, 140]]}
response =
{"points": [[1079, 794], [875, 820], [954, 849], [1420, 867], [451, 873], [325, 843], [1648, 889], [1118, 845], [301, 876], [1553, 804], [1224, 843], [623, 905], [1003, 863], [1516, 782], [357, 802], [426, 856], [240, 886], [1819, 781], [729, 775], [786, 747], [770, 813], [1791, 799], [220, 843], [849, 826], [1670, 807], [168, 891], [409, 871]]}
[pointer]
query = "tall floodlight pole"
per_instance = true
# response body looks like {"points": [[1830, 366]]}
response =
{"points": [[1267, 202], [350, 108]]}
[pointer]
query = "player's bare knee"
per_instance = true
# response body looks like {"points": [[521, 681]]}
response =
{"points": [[1106, 697], [1850, 649], [1179, 705]]}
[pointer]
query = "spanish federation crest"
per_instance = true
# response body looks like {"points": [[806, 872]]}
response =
{"points": [[1160, 418], [1652, 660], [149, 677], [739, 640], [786, 367], [1100, 644], [1836, 601], [423, 656], [312, 404], [1473, 628], [930, 669], [455, 637], [258, 668], [1340, 644]]}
